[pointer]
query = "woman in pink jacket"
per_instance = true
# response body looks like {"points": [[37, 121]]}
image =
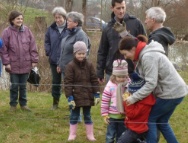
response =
{"points": [[19, 56]]}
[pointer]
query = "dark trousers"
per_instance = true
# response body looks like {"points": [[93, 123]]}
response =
{"points": [[75, 114], [18, 87], [131, 137], [56, 82], [114, 130]]}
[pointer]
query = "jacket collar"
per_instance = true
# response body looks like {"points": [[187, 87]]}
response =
{"points": [[81, 64], [126, 17], [21, 29]]}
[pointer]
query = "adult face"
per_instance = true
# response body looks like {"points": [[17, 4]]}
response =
{"points": [[59, 19], [18, 21], [71, 24], [128, 54], [149, 22], [119, 10]]}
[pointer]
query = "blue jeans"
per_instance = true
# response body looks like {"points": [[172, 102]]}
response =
{"points": [[114, 130], [159, 117], [131, 137], [56, 82], [75, 114], [18, 85]]}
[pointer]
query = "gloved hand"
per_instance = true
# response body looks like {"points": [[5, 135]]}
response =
{"points": [[97, 98], [121, 29], [106, 119], [71, 102]]}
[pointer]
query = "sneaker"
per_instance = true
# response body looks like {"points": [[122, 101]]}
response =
{"points": [[13, 108], [25, 108]]}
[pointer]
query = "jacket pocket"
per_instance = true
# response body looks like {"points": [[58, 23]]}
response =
{"points": [[26, 44]]}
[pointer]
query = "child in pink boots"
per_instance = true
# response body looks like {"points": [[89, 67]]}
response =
{"points": [[81, 90]]}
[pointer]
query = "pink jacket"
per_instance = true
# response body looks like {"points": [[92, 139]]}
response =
{"points": [[19, 49], [108, 104]]}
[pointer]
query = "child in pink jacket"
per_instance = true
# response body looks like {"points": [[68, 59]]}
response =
{"points": [[112, 103]]}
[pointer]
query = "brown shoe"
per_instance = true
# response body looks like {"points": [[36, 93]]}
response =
{"points": [[12, 108], [25, 108]]}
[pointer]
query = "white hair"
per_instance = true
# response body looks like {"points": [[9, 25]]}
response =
{"points": [[156, 13], [76, 17], [59, 10]]}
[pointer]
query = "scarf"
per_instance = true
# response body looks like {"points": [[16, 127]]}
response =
{"points": [[139, 48], [119, 98]]}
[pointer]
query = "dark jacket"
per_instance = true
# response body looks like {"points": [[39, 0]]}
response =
{"points": [[109, 43], [164, 36], [74, 35], [19, 49], [81, 82], [52, 43]]}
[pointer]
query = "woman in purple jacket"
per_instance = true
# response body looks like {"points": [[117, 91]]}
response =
{"points": [[19, 55]]}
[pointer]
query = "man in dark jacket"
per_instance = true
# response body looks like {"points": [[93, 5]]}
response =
{"points": [[110, 38], [155, 17]]}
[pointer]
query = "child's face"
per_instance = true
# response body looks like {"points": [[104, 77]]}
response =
{"points": [[80, 56], [121, 78]]}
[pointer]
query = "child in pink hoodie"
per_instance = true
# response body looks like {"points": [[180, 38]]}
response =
{"points": [[112, 103]]}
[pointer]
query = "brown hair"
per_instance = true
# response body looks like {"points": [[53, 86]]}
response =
{"points": [[13, 15], [113, 78], [116, 1], [127, 43]]}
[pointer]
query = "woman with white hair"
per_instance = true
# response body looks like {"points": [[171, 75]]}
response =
{"points": [[55, 33]]}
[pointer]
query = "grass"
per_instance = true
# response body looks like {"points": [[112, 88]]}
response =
{"points": [[43, 125]]}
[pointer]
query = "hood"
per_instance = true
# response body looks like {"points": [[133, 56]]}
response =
{"points": [[153, 46], [164, 35]]}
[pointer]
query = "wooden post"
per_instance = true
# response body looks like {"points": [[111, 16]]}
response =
{"points": [[40, 24]]}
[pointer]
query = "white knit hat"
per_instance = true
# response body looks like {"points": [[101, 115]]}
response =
{"points": [[120, 67]]}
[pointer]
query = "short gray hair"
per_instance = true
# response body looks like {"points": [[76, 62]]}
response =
{"points": [[59, 10], [76, 17], [156, 13]]}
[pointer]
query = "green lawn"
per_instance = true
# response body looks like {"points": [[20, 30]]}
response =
{"points": [[43, 125]]}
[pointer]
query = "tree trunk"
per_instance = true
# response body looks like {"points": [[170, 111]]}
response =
{"points": [[84, 2], [68, 5]]}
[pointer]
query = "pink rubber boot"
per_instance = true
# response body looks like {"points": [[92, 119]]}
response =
{"points": [[89, 132], [72, 132]]}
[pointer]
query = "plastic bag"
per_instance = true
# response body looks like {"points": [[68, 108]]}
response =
{"points": [[34, 77]]}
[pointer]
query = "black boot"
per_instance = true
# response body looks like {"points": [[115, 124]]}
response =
{"points": [[55, 104]]}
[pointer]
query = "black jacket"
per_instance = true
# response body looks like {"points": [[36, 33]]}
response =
{"points": [[109, 43], [164, 36]]}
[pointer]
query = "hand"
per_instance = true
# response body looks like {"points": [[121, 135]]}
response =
{"points": [[100, 80], [58, 69], [121, 28], [34, 65], [125, 96], [106, 119], [72, 105], [8, 68], [71, 102], [129, 101], [97, 98]]}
